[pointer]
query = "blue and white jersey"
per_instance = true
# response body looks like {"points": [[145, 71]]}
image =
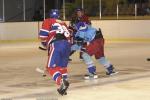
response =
{"points": [[87, 34]]}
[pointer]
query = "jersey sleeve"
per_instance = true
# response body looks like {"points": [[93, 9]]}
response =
{"points": [[44, 31]]}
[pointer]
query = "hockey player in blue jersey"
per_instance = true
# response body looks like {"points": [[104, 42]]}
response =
{"points": [[78, 16], [93, 44]]}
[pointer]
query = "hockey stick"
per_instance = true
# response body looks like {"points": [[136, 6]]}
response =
{"points": [[41, 71]]}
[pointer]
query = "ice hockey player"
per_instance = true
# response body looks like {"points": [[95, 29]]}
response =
{"points": [[55, 36], [78, 16], [93, 44]]}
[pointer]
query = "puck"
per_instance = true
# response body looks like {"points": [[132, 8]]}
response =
{"points": [[148, 59]]}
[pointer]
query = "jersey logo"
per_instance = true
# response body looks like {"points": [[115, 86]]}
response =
{"points": [[83, 27]]}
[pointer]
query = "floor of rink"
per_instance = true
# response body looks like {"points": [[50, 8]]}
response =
{"points": [[20, 81]]}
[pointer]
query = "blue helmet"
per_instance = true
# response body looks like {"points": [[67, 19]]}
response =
{"points": [[54, 13]]}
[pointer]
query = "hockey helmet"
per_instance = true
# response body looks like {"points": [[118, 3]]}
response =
{"points": [[54, 13]]}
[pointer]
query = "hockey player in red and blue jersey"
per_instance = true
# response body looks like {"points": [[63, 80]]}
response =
{"points": [[55, 35]]}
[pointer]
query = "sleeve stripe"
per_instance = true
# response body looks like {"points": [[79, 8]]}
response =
{"points": [[44, 30], [43, 36], [43, 33], [52, 31]]}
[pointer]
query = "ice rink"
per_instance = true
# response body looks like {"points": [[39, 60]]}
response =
{"points": [[20, 81]]}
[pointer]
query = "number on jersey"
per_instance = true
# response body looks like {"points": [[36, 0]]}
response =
{"points": [[60, 29]]}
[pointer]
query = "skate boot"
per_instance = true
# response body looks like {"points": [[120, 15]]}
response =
{"points": [[63, 87], [91, 76], [111, 71]]}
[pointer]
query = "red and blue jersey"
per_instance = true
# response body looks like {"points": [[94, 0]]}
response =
{"points": [[46, 27], [50, 28]]}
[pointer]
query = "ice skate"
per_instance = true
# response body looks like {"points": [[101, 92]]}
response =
{"points": [[91, 76], [111, 71], [63, 87]]}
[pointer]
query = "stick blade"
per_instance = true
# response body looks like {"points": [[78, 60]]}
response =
{"points": [[40, 70]]}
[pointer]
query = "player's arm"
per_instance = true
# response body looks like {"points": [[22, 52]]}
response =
{"points": [[68, 32], [44, 31]]}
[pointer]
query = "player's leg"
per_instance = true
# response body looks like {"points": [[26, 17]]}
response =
{"points": [[72, 52], [110, 70], [53, 68], [74, 48], [102, 59], [90, 66], [64, 50], [64, 55], [64, 82], [56, 74]]}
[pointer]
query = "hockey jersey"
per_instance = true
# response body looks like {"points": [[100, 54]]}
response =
{"points": [[87, 35], [51, 28]]}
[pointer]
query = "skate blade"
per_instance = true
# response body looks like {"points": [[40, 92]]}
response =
{"points": [[112, 74], [88, 78]]}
